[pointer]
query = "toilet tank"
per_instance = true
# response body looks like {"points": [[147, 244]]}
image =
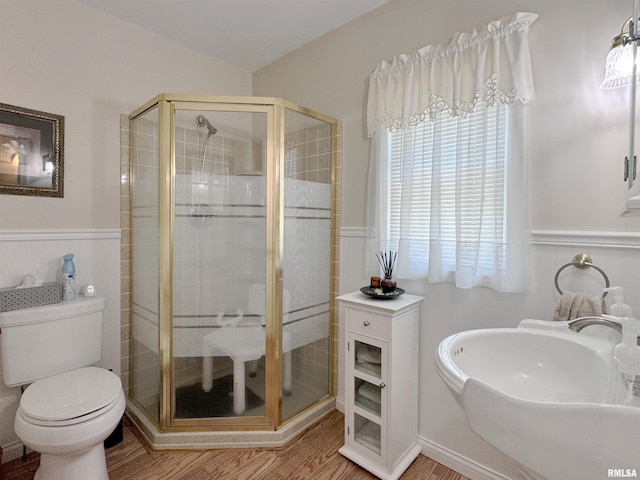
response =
{"points": [[43, 341]]}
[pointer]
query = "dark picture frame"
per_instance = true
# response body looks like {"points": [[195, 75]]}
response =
{"points": [[31, 152]]}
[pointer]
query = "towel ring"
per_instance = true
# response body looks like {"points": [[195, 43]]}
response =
{"points": [[582, 261]]}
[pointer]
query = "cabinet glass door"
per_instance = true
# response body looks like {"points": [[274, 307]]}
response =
{"points": [[367, 396], [367, 361], [367, 358], [367, 433]]}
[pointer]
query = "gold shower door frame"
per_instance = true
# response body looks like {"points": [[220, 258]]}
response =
{"points": [[274, 109]]}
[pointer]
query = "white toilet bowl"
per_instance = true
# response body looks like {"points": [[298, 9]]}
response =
{"points": [[66, 418]]}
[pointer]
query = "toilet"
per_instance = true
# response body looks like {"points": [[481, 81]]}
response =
{"points": [[70, 406]]}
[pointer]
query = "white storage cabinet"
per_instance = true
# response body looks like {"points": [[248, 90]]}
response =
{"points": [[381, 384]]}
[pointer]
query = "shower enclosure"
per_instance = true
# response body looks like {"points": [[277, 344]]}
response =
{"points": [[232, 258]]}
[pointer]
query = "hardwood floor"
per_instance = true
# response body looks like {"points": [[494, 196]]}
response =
{"points": [[312, 455]]}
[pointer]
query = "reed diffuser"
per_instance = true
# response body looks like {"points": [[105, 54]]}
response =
{"points": [[387, 262]]}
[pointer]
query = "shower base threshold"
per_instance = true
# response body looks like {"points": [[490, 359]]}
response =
{"points": [[228, 439]]}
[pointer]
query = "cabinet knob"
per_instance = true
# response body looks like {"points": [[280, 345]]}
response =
{"points": [[382, 385], [366, 323]]}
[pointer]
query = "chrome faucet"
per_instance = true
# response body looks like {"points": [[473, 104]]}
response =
{"points": [[579, 323]]}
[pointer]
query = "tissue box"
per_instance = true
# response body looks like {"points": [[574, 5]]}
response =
{"points": [[15, 298]]}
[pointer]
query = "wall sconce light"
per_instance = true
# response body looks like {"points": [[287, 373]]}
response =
{"points": [[619, 64], [621, 70]]}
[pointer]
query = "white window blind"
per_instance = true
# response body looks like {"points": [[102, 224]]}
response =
{"points": [[447, 195]]}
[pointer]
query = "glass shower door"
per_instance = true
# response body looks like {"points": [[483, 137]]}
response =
{"points": [[232, 256], [306, 261], [219, 263], [144, 349]]}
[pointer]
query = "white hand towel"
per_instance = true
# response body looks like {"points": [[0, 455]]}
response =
{"points": [[369, 436], [370, 392], [367, 354], [574, 305]]}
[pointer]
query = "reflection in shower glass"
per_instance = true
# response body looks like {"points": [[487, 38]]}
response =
{"points": [[219, 259], [306, 261]]}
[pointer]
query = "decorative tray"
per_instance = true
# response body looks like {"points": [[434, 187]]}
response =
{"points": [[377, 293]]}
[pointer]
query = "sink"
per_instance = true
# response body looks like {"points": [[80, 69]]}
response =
{"points": [[546, 397], [525, 363]]}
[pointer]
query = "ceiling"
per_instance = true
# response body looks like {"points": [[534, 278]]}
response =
{"points": [[247, 33]]}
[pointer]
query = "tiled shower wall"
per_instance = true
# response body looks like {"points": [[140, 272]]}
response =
{"points": [[308, 154]]}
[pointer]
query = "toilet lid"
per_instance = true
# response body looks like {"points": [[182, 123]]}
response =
{"points": [[70, 395]]}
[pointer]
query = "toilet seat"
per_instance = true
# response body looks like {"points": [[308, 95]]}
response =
{"points": [[71, 397]]}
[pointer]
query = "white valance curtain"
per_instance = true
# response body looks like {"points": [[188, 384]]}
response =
{"points": [[474, 71], [492, 64]]}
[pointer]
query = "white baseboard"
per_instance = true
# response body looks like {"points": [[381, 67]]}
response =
{"points": [[340, 404], [454, 461]]}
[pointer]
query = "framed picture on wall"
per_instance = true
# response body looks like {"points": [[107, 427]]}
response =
{"points": [[31, 152]]}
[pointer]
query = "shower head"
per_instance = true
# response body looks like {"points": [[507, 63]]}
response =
{"points": [[202, 121]]}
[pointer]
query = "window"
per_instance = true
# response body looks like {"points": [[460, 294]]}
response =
{"points": [[448, 196], [448, 173]]}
